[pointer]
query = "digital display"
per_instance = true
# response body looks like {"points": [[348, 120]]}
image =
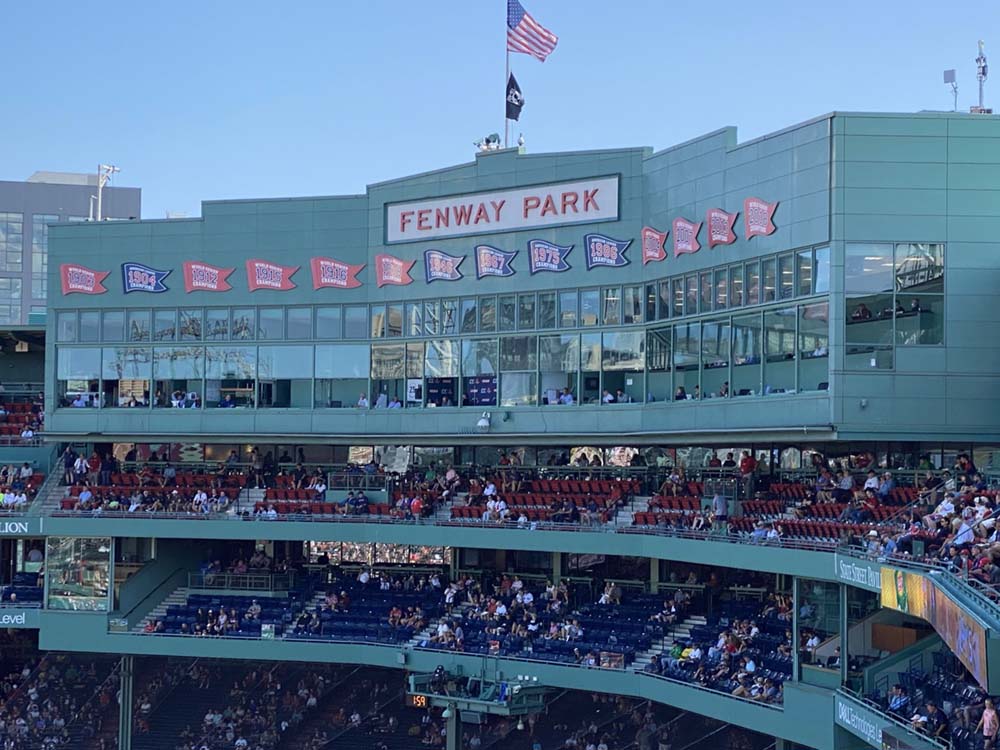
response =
{"points": [[414, 700]]}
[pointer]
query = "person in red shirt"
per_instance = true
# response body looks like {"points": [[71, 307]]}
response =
{"points": [[417, 507], [748, 465]]}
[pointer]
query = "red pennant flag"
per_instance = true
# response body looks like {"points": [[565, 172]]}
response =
{"points": [[686, 237], [720, 227], [264, 275], [334, 273], [652, 245], [81, 280], [757, 215], [390, 270], [204, 277]]}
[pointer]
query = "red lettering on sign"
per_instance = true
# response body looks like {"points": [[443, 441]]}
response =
{"points": [[463, 214], [496, 209], [441, 217], [531, 202], [423, 219], [481, 214], [589, 198], [405, 217], [549, 207], [569, 200]]}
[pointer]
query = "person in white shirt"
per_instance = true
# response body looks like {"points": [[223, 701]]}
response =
{"points": [[491, 489], [502, 511], [8, 499], [27, 433], [491, 509], [871, 483]]}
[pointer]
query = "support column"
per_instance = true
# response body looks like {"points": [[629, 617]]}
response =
{"points": [[556, 568], [451, 725], [125, 704], [844, 634], [654, 575], [795, 628]]}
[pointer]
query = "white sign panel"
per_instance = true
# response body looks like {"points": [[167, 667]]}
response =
{"points": [[555, 204]]}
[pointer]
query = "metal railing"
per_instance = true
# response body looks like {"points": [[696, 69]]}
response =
{"points": [[907, 729], [242, 581]]}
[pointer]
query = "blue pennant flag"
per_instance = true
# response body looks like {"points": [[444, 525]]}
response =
{"points": [[139, 278], [491, 261], [440, 266], [546, 256], [605, 251]]}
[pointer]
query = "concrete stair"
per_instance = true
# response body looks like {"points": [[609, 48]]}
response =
{"points": [[639, 504], [680, 632], [176, 598]]}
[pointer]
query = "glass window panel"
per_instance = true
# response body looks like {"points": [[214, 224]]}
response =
{"points": [[138, 325], [721, 289], [78, 364], [217, 324], [590, 352], [736, 286], [920, 320], [231, 362], [589, 307], [272, 323], [677, 295], [547, 310], [804, 272], [78, 571], [286, 362], [90, 326], [487, 314], [868, 268], [164, 325], [178, 362], [868, 357], [821, 283], [786, 276], [66, 327], [479, 357], [526, 312], [753, 283], [691, 295], [190, 324], [378, 321], [432, 318], [469, 315], [870, 319], [746, 355], [611, 306], [768, 280], [920, 268], [568, 309], [658, 350], [299, 323], [126, 363], [442, 359], [449, 316], [356, 322], [687, 351], [11, 241], [40, 254], [814, 334], [559, 353], [414, 318], [342, 361], [507, 312], [415, 359], [394, 321], [625, 350], [328, 322], [661, 301], [388, 361], [715, 348], [707, 291], [519, 353], [632, 304], [244, 323], [779, 350], [518, 389], [113, 325]]}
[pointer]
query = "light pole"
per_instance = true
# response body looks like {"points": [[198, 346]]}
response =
{"points": [[104, 172]]}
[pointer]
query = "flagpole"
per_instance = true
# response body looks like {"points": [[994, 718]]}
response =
{"points": [[506, 122]]}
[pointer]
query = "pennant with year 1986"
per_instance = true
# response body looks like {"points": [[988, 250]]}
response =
{"points": [[605, 251]]}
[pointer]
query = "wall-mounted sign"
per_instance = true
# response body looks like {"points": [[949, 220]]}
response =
{"points": [[546, 256], [204, 277], [492, 261], [440, 266], [605, 251], [81, 280], [551, 205], [686, 236], [139, 278], [757, 217], [15, 528], [328, 272], [15, 617], [652, 245], [262, 274], [720, 227], [390, 270]]}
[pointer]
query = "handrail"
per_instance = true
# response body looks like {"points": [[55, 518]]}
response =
{"points": [[849, 694], [247, 581]]}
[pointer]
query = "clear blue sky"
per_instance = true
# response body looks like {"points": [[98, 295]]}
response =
{"points": [[209, 100]]}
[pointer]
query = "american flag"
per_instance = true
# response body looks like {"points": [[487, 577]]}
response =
{"points": [[525, 34]]}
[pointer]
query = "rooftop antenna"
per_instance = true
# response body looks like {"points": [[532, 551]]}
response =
{"points": [[949, 77], [981, 72], [104, 172]]}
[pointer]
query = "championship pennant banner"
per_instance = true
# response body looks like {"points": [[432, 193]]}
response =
{"points": [[262, 274], [545, 256], [720, 227], [686, 236], [139, 278], [492, 261], [81, 280], [392, 271], [757, 217], [652, 245], [440, 266], [605, 251], [328, 272], [204, 277]]}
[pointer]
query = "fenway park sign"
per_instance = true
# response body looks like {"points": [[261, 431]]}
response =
{"points": [[551, 205]]}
